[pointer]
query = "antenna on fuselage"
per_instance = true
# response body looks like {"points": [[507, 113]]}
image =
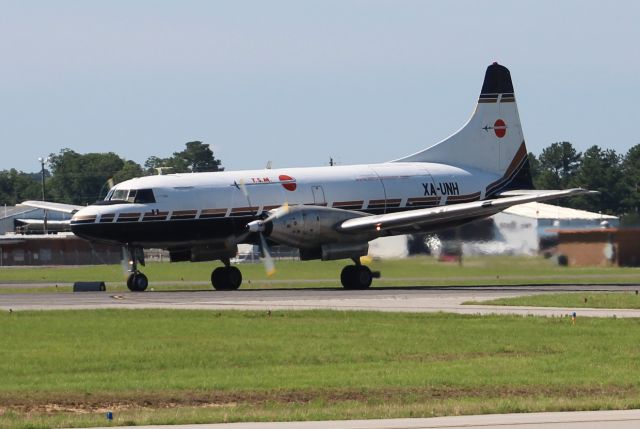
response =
{"points": [[161, 170]]}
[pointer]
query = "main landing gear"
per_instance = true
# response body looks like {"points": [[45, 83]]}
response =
{"points": [[136, 281], [356, 276], [227, 277]]}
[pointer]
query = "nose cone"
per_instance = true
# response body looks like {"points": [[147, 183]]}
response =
{"points": [[85, 223]]}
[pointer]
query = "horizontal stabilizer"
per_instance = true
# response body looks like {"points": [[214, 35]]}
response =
{"points": [[519, 192], [424, 218], [54, 207]]}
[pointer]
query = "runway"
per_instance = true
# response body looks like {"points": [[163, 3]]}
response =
{"points": [[566, 420], [392, 299]]}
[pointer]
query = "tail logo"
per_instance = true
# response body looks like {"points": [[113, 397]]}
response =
{"points": [[499, 127]]}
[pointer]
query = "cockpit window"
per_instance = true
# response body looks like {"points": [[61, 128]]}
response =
{"points": [[120, 195], [144, 196]]}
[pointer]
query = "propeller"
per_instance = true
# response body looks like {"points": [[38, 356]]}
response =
{"points": [[125, 263], [259, 226]]}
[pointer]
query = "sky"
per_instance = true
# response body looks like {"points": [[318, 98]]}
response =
{"points": [[298, 82]]}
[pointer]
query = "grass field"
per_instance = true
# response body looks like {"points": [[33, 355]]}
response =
{"points": [[417, 271], [571, 300], [67, 368]]}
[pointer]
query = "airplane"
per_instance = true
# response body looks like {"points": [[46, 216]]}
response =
{"points": [[329, 212]]}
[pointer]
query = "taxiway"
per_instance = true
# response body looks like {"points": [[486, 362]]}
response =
{"points": [[398, 299]]}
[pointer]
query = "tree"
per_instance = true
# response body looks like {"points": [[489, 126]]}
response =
{"points": [[197, 157], [600, 171], [534, 167], [17, 186], [631, 182], [81, 178], [557, 165]]}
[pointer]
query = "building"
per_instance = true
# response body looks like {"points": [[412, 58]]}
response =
{"points": [[532, 228], [54, 249], [12, 217], [600, 247]]}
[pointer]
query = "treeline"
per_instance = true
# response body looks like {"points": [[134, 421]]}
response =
{"points": [[75, 178], [84, 178], [615, 176]]}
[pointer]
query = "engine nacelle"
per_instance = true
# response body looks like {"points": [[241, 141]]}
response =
{"points": [[309, 227]]}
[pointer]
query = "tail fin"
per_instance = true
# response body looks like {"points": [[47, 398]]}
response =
{"points": [[491, 140]]}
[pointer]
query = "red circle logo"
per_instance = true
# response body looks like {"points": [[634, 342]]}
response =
{"points": [[500, 128], [288, 182]]}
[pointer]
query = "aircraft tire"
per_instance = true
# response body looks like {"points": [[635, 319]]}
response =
{"points": [[137, 282], [356, 277], [226, 278]]}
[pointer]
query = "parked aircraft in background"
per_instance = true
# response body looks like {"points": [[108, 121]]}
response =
{"points": [[326, 212]]}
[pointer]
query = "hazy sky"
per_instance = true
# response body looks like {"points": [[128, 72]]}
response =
{"points": [[296, 82]]}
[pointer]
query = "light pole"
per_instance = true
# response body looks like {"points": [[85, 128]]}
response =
{"points": [[43, 161]]}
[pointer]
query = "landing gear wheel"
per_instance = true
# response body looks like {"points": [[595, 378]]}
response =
{"points": [[137, 282], [226, 278], [356, 277]]}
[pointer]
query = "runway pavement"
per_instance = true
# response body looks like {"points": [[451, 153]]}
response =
{"points": [[401, 299], [568, 420]]}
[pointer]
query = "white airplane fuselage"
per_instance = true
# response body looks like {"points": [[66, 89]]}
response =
{"points": [[197, 208]]}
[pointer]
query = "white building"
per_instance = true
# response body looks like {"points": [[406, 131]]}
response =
{"points": [[526, 229]]}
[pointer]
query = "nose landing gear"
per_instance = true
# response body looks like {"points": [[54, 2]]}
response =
{"points": [[136, 281]]}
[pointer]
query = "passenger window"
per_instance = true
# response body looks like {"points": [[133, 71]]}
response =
{"points": [[144, 196]]}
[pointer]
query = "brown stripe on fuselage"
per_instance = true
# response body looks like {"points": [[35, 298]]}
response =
{"points": [[464, 198], [149, 216], [128, 217], [209, 213], [107, 218], [423, 201], [183, 214], [348, 204], [84, 219]]}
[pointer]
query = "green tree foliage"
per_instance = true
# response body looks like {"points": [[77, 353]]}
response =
{"points": [[631, 184], [557, 165], [81, 178], [600, 171], [196, 157], [16, 186]]}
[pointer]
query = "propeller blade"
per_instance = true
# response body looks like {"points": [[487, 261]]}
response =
{"points": [[269, 266], [124, 263], [243, 188], [278, 213]]}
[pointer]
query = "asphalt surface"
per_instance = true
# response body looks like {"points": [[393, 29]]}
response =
{"points": [[569, 420], [400, 299]]}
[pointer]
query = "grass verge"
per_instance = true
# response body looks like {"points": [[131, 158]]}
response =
{"points": [[66, 368], [630, 300]]}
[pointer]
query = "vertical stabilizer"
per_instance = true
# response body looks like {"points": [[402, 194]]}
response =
{"points": [[491, 140]]}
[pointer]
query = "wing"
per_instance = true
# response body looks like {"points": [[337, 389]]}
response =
{"points": [[54, 207], [433, 217]]}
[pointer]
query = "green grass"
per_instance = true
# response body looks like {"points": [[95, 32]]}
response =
{"points": [[417, 271], [571, 300], [65, 368]]}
